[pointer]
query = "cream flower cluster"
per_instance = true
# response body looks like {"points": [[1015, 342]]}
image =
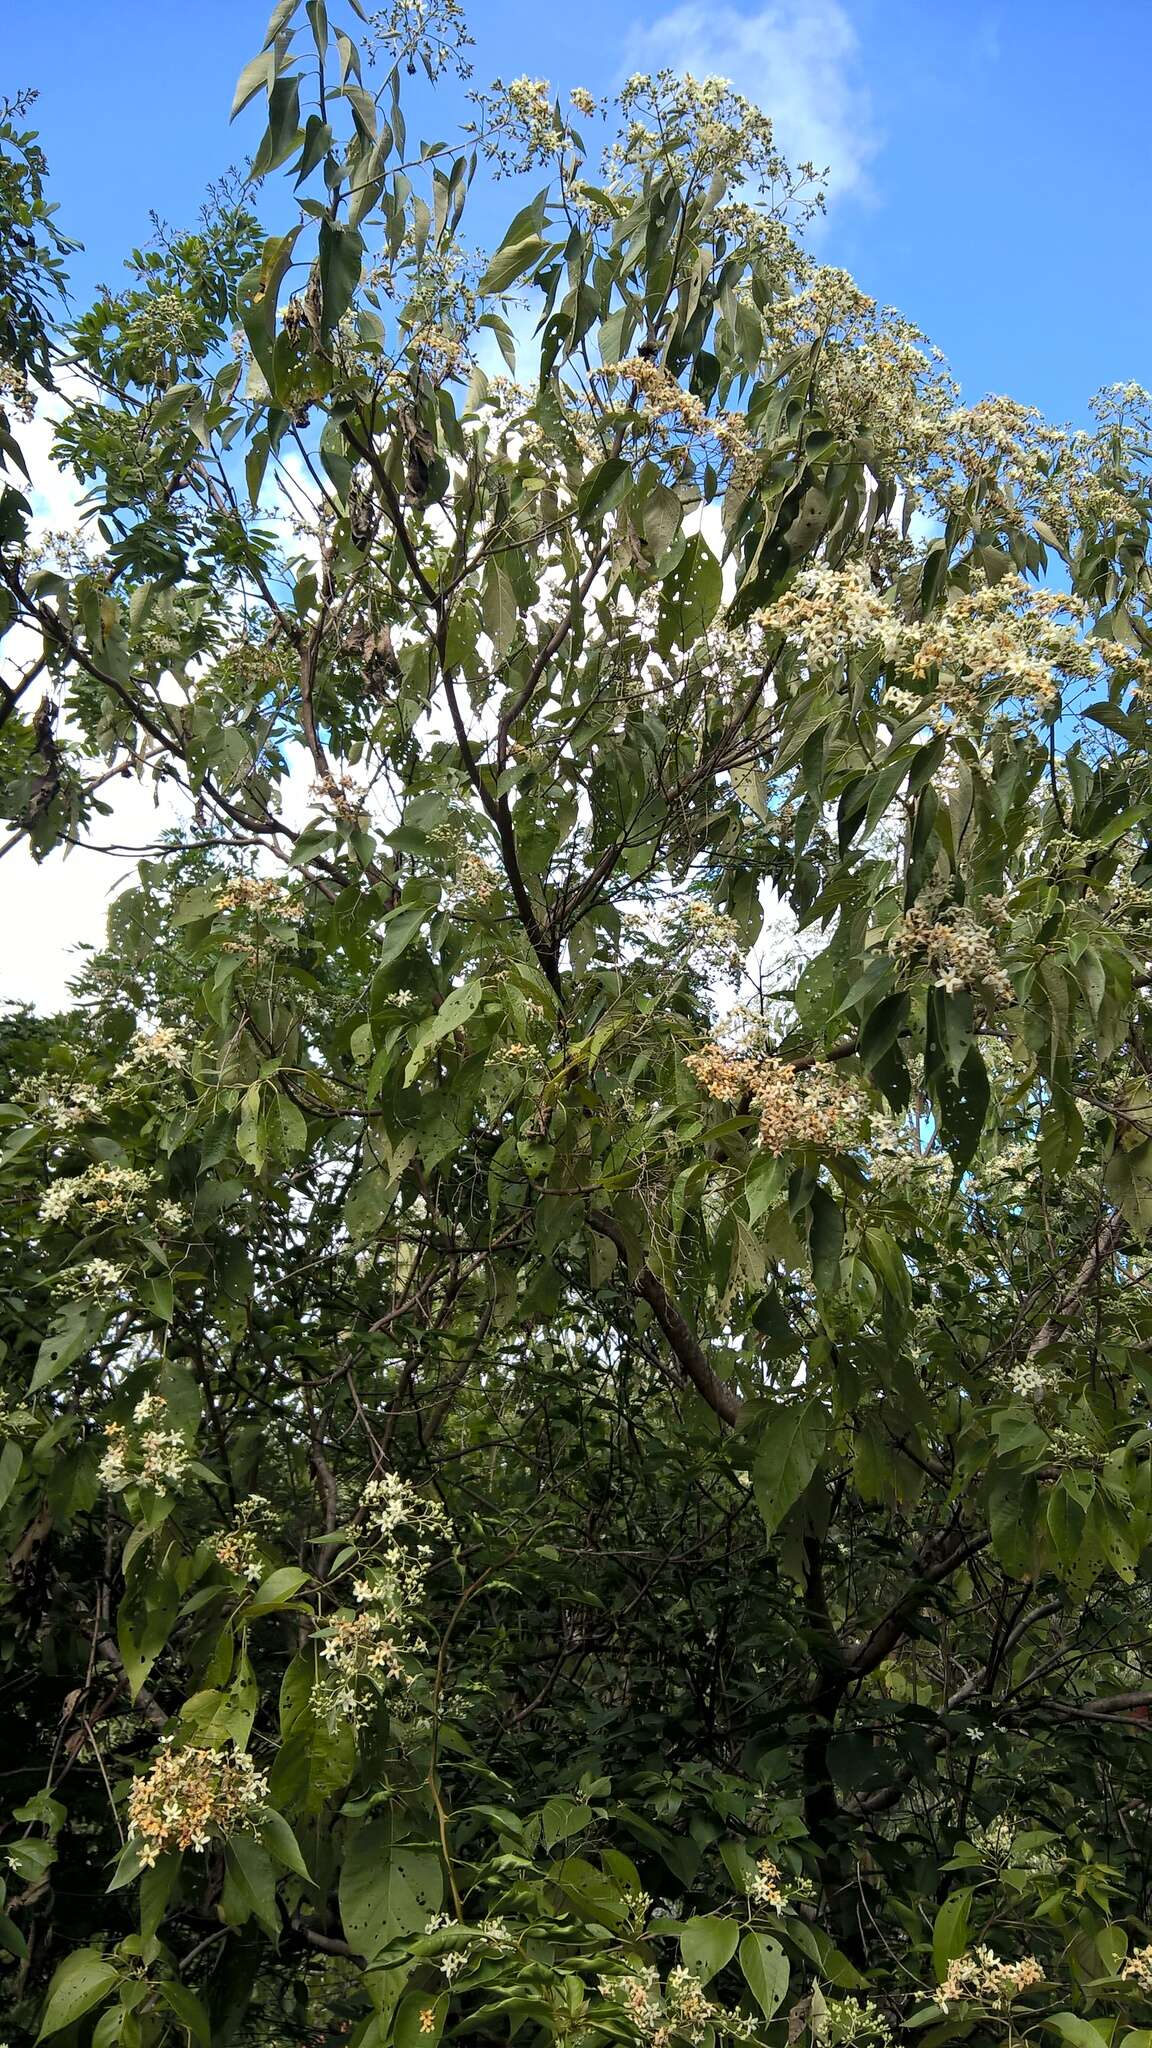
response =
{"points": [[979, 1977], [827, 613], [190, 1795], [772, 1891], [240, 1549], [161, 1047], [377, 1645], [108, 1194], [148, 1454], [796, 1109], [104, 1191], [668, 402], [682, 2011], [1029, 1381], [101, 1278], [62, 1107], [1008, 635], [255, 896], [950, 945], [1008, 639]]}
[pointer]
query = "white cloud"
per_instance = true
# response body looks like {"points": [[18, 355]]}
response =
{"points": [[798, 61]]}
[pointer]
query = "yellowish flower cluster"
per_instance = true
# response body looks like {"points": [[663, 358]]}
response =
{"points": [[104, 1192], [240, 1549], [958, 952], [190, 1795], [148, 1454], [153, 1048], [355, 1647], [796, 1109], [979, 1977], [249, 893], [668, 400], [772, 1891], [682, 2011], [377, 1644], [826, 613], [100, 1278], [1138, 1970]]}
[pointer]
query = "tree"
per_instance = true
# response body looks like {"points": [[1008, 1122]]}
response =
{"points": [[556, 1484]]}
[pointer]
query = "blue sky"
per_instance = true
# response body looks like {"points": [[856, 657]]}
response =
{"points": [[990, 169]]}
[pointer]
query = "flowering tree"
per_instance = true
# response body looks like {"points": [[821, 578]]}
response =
{"points": [[576, 1423]]}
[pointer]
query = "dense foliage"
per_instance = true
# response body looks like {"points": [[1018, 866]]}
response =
{"points": [[577, 1409]]}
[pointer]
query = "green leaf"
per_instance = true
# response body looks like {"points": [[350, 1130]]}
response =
{"points": [[189, 2010], [950, 1931], [458, 1006], [509, 263], [607, 487], [83, 1979], [388, 1887], [11, 1460], [825, 1239], [689, 596], [707, 1943], [74, 1332], [766, 1971], [340, 261], [278, 1837], [1077, 2032], [501, 612], [790, 1442], [280, 1587], [253, 1882], [258, 72]]}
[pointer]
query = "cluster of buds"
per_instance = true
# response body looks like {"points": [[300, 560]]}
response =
{"points": [[1138, 1970], [1000, 1845], [189, 1795], [979, 1977], [954, 949], [148, 1454], [854, 2023]]}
